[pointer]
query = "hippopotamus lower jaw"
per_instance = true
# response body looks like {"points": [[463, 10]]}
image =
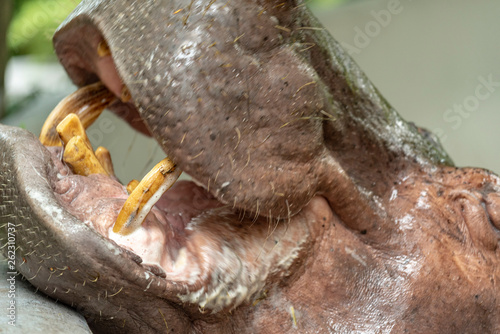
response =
{"points": [[271, 276], [190, 251]]}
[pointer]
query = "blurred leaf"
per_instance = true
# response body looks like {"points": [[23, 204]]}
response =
{"points": [[326, 3], [34, 24]]}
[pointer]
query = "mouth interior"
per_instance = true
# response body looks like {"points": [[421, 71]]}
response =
{"points": [[218, 256], [164, 241]]}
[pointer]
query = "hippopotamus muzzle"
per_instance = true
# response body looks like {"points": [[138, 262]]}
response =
{"points": [[313, 206]]}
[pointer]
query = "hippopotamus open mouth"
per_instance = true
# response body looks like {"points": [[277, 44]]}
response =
{"points": [[313, 207]]}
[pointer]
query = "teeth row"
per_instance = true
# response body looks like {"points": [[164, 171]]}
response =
{"points": [[102, 154], [66, 126], [78, 152]]}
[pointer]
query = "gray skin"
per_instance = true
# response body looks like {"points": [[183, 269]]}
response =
{"points": [[257, 102]]}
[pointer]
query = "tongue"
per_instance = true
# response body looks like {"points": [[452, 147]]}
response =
{"points": [[184, 201]]}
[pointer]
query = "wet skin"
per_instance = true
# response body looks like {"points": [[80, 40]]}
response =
{"points": [[317, 208]]}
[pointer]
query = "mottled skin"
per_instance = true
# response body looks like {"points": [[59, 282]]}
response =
{"points": [[258, 103]]}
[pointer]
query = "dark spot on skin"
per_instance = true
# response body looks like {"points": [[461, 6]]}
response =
{"points": [[212, 136], [363, 232], [324, 218]]}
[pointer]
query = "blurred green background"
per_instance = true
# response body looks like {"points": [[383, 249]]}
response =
{"points": [[26, 28], [33, 23]]}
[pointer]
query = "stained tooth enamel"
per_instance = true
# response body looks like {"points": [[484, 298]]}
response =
{"points": [[80, 157], [131, 186], [70, 127], [103, 49], [125, 95], [87, 103], [102, 154], [145, 195]]}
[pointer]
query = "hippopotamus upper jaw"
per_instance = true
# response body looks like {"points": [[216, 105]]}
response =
{"points": [[246, 98]]}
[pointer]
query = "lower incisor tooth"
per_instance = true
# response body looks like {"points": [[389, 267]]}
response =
{"points": [[132, 185], [80, 157], [70, 127], [145, 195], [102, 154]]}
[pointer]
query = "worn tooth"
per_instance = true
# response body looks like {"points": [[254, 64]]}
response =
{"points": [[104, 158], [132, 185], [87, 103], [145, 195], [103, 49], [70, 127], [125, 94], [80, 157]]}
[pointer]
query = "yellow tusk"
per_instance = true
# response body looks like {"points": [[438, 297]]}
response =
{"points": [[70, 127], [81, 158], [145, 195], [103, 49], [104, 158], [132, 185], [125, 95], [87, 103]]}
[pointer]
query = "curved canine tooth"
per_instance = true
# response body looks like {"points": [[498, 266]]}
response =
{"points": [[81, 158], [104, 158], [132, 185], [103, 49], [145, 196], [87, 103]]}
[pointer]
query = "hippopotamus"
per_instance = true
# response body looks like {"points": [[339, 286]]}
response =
{"points": [[313, 206]]}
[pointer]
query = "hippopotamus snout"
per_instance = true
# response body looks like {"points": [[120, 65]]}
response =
{"points": [[313, 207]]}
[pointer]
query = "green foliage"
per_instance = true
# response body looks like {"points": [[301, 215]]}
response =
{"points": [[34, 23]]}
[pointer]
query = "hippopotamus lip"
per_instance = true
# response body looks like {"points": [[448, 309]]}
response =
{"points": [[32, 168]]}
